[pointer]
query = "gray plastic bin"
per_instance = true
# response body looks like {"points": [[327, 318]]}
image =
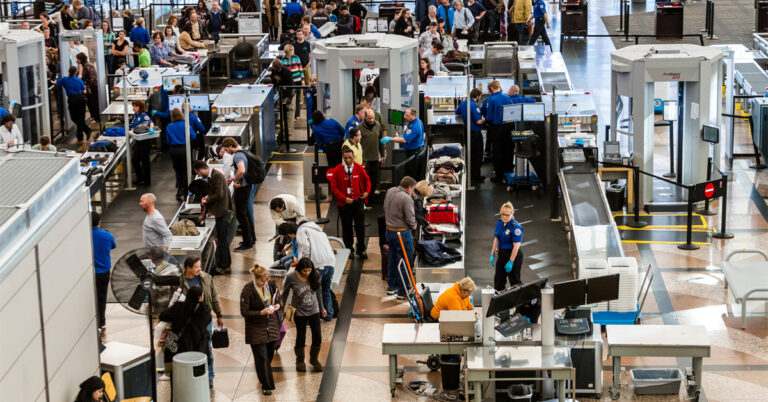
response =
{"points": [[520, 392], [190, 377], [656, 381]]}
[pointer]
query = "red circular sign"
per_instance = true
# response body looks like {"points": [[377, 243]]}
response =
{"points": [[709, 190]]}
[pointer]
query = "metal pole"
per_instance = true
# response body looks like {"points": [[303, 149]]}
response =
{"points": [[621, 16], [152, 358], [626, 22], [554, 211], [469, 133], [689, 231], [187, 145], [722, 234], [636, 222], [671, 172], [706, 211], [128, 167]]}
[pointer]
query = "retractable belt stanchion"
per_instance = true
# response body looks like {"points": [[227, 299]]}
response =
{"points": [[636, 222], [706, 211], [689, 231], [722, 234]]}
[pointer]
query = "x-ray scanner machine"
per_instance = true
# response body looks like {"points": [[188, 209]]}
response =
{"points": [[395, 56], [696, 69]]}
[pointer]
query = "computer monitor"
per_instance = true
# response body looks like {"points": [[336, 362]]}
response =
{"points": [[191, 82], [512, 113], [198, 103], [602, 288], [669, 108], [710, 134], [533, 112], [515, 297], [570, 293], [611, 148], [396, 117], [170, 82], [175, 102]]}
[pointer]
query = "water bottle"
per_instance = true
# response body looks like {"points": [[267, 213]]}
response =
{"points": [[578, 127]]}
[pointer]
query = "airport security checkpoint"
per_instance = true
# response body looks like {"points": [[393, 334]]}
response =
{"points": [[522, 200]]}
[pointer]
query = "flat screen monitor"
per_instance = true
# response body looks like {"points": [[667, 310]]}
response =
{"points": [[602, 288], [396, 117], [710, 134], [611, 148], [198, 103], [191, 82], [533, 112], [570, 293], [515, 297], [669, 107], [512, 113], [170, 82], [175, 101]]}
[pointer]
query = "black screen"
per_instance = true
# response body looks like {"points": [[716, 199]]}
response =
{"points": [[515, 297], [710, 134], [570, 293], [603, 288]]}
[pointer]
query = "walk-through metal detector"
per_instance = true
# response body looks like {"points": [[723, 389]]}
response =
{"points": [[22, 64], [337, 59], [697, 72]]}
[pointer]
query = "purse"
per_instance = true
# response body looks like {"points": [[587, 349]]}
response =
{"points": [[220, 338], [288, 313], [172, 337]]}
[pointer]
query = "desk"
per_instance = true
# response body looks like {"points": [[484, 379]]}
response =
{"points": [[482, 362], [658, 341], [612, 173]]}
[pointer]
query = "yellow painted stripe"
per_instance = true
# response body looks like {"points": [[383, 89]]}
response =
{"points": [[286, 162], [662, 242], [673, 228], [703, 219]]}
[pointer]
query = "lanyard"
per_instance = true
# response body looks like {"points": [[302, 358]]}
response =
{"points": [[264, 293]]}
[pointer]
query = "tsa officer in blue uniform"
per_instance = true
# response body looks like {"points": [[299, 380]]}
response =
{"points": [[412, 140], [506, 255], [476, 135], [542, 23], [514, 94], [498, 132]]}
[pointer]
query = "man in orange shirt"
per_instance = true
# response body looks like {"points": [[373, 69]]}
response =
{"points": [[455, 298]]}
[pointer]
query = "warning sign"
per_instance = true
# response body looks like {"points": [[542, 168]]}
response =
{"points": [[708, 190]]}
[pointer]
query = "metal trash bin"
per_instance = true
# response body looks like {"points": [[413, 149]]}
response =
{"points": [[520, 392], [656, 381], [450, 371], [615, 196], [190, 377]]}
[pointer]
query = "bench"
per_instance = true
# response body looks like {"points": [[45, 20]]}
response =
{"points": [[341, 254], [747, 280]]}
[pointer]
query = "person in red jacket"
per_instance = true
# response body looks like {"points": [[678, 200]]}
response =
{"points": [[351, 185]]}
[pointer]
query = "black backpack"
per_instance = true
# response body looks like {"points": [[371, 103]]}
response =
{"points": [[255, 172]]}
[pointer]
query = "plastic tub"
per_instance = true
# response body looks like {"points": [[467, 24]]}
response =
{"points": [[656, 381], [520, 392], [239, 74]]}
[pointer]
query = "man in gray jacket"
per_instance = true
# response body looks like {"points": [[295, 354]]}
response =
{"points": [[401, 221], [313, 243]]}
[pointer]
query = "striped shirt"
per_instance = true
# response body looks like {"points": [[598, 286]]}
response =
{"points": [[293, 65]]}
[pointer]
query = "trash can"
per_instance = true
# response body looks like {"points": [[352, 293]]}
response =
{"points": [[656, 381], [450, 371], [615, 196], [520, 392], [190, 377]]}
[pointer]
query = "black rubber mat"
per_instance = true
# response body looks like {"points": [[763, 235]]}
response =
{"points": [[664, 236], [662, 220]]}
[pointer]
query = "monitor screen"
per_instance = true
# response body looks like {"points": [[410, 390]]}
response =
{"points": [[396, 117], [533, 112], [602, 288], [515, 297], [669, 108], [512, 113], [710, 134], [191, 82], [570, 293], [170, 82], [612, 148], [175, 101], [199, 103]]}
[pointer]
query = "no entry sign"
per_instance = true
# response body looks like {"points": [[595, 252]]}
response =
{"points": [[708, 190]]}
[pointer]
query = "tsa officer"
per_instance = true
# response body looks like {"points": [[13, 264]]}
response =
{"points": [[542, 19], [412, 140], [475, 127], [514, 94], [498, 132], [506, 255]]}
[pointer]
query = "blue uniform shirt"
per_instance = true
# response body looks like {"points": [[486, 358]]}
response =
{"points": [[509, 234], [293, 8], [521, 99], [139, 34], [140, 118], [492, 107], [326, 132], [475, 112], [353, 122], [103, 243], [414, 135], [196, 125], [175, 133], [539, 8], [71, 85], [3, 112]]}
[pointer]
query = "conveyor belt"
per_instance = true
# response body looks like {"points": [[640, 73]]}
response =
{"points": [[751, 77], [587, 203]]}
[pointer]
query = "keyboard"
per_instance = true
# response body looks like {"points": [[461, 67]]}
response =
{"points": [[572, 326], [513, 325]]}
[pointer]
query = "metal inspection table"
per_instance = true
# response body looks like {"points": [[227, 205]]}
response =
{"points": [[659, 341], [237, 130], [483, 362]]}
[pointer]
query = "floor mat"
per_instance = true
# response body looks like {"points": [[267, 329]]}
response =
{"points": [[659, 221], [665, 236]]}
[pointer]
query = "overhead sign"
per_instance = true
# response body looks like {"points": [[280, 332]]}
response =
{"points": [[709, 190]]}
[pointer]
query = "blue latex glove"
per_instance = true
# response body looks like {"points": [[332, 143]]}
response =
{"points": [[493, 259], [11, 104], [508, 267], [385, 140], [309, 122], [151, 130], [154, 112]]}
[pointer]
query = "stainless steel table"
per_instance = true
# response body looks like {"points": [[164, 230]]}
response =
{"points": [[659, 341], [483, 361], [236, 130]]}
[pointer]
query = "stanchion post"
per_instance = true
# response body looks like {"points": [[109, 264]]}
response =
{"points": [[688, 245], [722, 234], [554, 211], [706, 211], [636, 222], [626, 21], [621, 16]]}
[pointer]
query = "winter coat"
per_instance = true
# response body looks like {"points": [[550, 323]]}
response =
{"points": [[194, 336], [260, 328]]}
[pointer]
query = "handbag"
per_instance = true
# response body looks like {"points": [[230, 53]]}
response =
{"points": [[172, 337], [288, 313], [220, 338]]}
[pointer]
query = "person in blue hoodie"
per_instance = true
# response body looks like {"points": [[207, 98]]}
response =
{"points": [[176, 138]]}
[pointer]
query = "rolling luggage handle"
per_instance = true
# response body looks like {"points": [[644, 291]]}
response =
{"points": [[410, 273]]}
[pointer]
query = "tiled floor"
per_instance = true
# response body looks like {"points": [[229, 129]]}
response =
{"points": [[688, 290]]}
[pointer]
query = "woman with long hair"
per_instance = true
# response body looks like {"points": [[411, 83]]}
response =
{"points": [[425, 70], [87, 72], [107, 38], [304, 284], [260, 307], [189, 321], [119, 50], [172, 40]]}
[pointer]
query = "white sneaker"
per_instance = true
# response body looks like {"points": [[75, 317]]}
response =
{"points": [[164, 377]]}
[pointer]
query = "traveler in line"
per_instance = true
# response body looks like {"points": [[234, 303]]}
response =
{"points": [[304, 284]]}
